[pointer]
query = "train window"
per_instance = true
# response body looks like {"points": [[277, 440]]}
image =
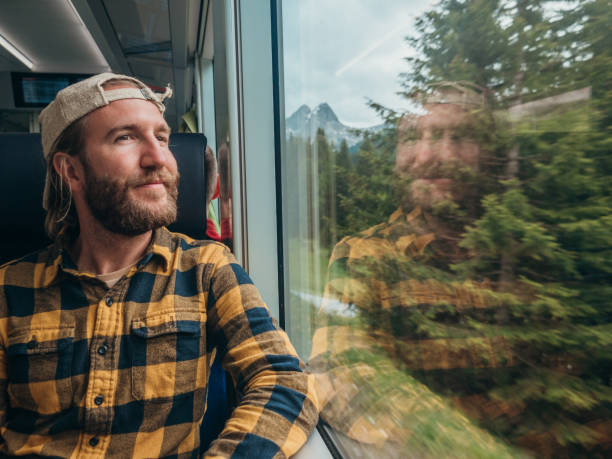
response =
{"points": [[446, 223]]}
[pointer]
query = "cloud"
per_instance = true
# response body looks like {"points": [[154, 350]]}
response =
{"points": [[367, 51], [344, 52]]}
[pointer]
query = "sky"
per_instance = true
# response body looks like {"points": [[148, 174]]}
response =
{"points": [[345, 52]]}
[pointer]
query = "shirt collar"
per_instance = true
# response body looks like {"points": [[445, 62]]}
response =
{"points": [[161, 246], [396, 217], [419, 235], [60, 261]]}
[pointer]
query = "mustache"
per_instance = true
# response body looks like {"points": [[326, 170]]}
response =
{"points": [[437, 169], [164, 176], [432, 169]]}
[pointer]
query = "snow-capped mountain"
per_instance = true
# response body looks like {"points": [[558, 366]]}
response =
{"points": [[304, 123]]}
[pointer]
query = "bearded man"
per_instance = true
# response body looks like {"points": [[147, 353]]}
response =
{"points": [[108, 334], [413, 350]]}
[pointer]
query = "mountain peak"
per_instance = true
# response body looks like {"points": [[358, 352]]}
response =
{"points": [[299, 117], [304, 123], [303, 110], [325, 113]]}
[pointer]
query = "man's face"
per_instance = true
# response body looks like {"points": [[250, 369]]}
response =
{"points": [[131, 175], [432, 150]]}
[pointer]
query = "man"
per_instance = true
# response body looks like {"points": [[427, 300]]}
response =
{"points": [[397, 368], [108, 334]]}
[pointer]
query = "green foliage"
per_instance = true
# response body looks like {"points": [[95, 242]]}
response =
{"points": [[508, 228], [352, 192], [419, 422], [541, 231], [546, 234], [369, 198]]}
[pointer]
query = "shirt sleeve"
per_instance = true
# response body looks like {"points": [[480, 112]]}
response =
{"points": [[277, 406]]}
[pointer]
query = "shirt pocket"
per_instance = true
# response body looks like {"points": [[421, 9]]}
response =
{"points": [[40, 368], [168, 355]]}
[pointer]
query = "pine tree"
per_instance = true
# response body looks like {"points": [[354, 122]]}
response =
{"points": [[544, 233], [343, 173], [538, 242], [370, 197], [326, 159]]}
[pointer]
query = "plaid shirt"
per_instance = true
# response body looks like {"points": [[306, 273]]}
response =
{"points": [[88, 371], [375, 362], [419, 351], [388, 274]]}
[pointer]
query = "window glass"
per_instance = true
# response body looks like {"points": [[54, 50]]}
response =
{"points": [[447, 223]]}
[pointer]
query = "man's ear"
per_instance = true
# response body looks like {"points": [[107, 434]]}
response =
{"points": [[70, 169]]}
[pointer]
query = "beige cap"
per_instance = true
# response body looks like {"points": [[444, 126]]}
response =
{"points": [[461, 93], [79, 99]]}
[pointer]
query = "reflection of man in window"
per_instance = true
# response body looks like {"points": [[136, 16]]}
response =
{"points": [[432, 147], [413, 362]]}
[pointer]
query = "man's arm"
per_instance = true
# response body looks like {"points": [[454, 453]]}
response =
{"points": [[277, 407]]}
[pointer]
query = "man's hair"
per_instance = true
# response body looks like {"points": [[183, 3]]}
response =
{"points": [[61, 213]]}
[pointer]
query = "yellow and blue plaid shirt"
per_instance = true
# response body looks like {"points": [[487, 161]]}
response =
{"points": [[417, 361], [375, 361], [87, 371]]}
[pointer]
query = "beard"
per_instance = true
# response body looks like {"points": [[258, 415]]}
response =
{"points": [[452, 197], [111, 204], [429, 185]]}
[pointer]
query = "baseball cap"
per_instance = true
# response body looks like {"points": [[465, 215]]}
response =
{"points": [[83, 97], [462, 93]]}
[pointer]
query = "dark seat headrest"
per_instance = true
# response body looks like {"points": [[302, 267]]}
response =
{"points": [[22, 175], [189, 151]]}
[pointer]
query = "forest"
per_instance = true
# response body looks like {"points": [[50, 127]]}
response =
{"points": [[535, 238]]}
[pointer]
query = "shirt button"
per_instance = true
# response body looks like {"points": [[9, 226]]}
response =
{"points": [[32, 344], [99, 400], [103, 349], [109, 301], [93, 441]]}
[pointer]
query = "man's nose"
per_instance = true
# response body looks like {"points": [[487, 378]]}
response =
{"points": [[155, 154], [425, 151]]}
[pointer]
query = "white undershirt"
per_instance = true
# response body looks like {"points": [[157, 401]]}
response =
{"points": [[111, 279]]}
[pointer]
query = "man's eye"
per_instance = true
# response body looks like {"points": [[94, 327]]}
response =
{"points": [[162, 138], [123, 137], [437, 134], [408, 136]]}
